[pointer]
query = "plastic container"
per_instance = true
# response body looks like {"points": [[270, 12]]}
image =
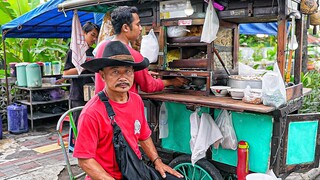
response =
{"points": [[56, 68], [13, 71], [47, 69], [21, 74], [259, 176], [33, 75], [41, 64], [17, 118]]}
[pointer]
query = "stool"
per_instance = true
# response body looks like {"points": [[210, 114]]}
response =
{"points": [[66, 119]]}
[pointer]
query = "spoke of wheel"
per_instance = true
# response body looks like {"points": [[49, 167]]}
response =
{"points": [[193, 173], [184, 172]]}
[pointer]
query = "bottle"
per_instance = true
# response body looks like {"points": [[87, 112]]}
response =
{"points": [[163, 122], [243, 160]]}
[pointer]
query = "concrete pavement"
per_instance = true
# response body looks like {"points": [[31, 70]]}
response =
{"points": [[33, 155]]}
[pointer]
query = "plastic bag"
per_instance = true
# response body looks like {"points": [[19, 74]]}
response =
{"points": [[229, 140], [211, 25], [208, 133], [150, 47], [194, 127], [273, 88], [163, 122], [177, 31], [245, 70], [252, 96]]}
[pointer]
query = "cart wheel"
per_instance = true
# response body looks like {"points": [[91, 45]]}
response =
{"points": [[203, 169]]}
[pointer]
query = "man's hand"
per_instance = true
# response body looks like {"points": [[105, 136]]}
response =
{"points": [[176, 82], [153, 74], [163, 168]]}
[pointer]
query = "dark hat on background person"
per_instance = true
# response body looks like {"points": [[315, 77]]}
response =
{"points": [[115, 53]]}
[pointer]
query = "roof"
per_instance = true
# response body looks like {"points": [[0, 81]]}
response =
{"points": [[45, 21]]}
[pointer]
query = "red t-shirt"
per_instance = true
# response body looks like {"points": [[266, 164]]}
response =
{"points": [[95, 131], [142, 78]]}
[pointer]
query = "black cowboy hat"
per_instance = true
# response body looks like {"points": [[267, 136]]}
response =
{"points": [[115, 53]]}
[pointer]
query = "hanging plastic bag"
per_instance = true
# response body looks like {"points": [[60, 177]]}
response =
{"points": [[163, 122], [211, 25], [229, 140], [150, 47], [208, 134], [194, 127], [273, 88]]}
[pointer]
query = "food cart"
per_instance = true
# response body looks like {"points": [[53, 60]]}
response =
{"points": [[279, 139]]}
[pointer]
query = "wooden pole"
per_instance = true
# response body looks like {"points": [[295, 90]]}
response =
{"points": [[282, 36], [298, 53]]}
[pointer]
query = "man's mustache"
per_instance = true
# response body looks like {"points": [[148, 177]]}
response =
{"points": [[120, 84]]}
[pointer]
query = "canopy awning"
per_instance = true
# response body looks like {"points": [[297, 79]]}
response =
{"points": [[259, 28], [45, 21], [89, 5]]}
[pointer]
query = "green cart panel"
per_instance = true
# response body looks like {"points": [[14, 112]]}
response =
{"points": [[256, 129], [302, 138], [179, 128]]}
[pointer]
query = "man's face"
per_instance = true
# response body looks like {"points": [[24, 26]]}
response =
{"points": [[135, 29], [118, 78]]}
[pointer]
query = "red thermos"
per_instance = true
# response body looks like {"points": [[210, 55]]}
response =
{"points": [[243, 160]]}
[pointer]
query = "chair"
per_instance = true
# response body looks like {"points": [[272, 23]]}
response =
{"points": [[60, 136], [66, 119]]}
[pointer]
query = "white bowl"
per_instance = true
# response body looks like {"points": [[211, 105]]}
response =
{"points": [[220, 90], [259, 176], [236, 93]]}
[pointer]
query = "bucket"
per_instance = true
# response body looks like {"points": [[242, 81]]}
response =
{"points": [[259, 176], [13, 72], [21, 74], [17, 118], [33, 75], [56, 68], [41, 67], [47, 68]]}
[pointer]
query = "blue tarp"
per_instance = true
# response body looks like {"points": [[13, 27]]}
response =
{"points": [[46, 22], [259, 28]]}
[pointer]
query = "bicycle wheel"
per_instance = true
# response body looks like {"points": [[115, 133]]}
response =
{"points": [[202, 170]]}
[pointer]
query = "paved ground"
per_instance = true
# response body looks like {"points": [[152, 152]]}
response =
{"points": [[36, 156]]}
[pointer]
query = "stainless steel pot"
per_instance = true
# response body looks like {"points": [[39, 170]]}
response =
{"points": [[243, 83]]}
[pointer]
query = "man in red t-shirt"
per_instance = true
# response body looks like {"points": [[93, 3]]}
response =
{"points": [[126, 25], [94, 146]]}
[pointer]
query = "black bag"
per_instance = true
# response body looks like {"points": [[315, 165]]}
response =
{"points": [[130, 165]]}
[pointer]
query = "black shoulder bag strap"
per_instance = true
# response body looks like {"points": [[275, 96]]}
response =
{"points": [[130, 165], [105, 100]]}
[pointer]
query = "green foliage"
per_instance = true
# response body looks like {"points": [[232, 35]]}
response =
{"points": [[311, 103], [257, 55], [272, 54], [7, 13], [254, 41]]}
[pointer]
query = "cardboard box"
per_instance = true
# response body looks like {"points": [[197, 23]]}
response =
{"points": [[88, 91]]}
